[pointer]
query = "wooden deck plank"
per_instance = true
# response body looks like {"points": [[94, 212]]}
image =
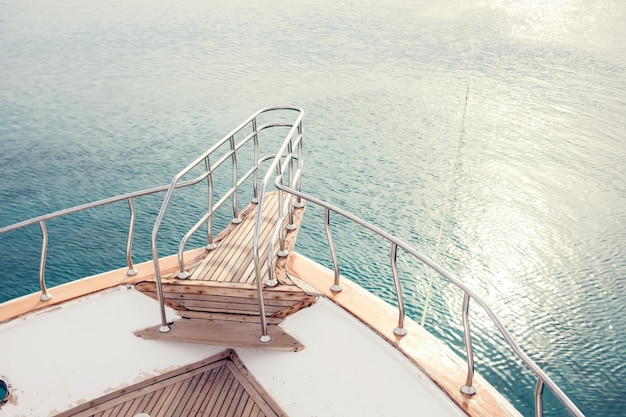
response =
{"points": [[248, 271], [194, 405], [246, 318], [229, 298], [232, 304], [211, 396], [157, 410], [280, 301], [198, 266], [232, 404], [269, 310], [149, 385], [243, 400], [223, 333], [217, 260], [218, 288], [233, 267], [140, 404], [168, 409], [227, 255], [234, 254], [187, 393], [225, 394], [248, 408], [124, 410], [269, 219], [212, 387], [253, 389]]}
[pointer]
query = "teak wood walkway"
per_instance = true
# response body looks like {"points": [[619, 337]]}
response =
{"points": [[219, 302], [217, 386]]}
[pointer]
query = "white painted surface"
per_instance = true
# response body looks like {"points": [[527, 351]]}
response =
{"points": [[59, 358], [344, 370]]}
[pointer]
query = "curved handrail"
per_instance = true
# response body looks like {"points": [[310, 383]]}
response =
{"points": [[468, 389], [41, 220], [286, 149], [204, 158]]}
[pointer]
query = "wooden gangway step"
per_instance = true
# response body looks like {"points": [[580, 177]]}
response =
{"points": [[219, 302], [223, 333], [230, 298], [220, 385]]}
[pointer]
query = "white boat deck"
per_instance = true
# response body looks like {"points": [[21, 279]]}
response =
{"points": [[58, 358]]}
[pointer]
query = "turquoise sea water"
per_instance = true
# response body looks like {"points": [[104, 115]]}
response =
{"points": [[98, 99]]}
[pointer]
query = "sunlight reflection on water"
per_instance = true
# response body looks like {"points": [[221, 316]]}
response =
{"points": [[100, 99]]}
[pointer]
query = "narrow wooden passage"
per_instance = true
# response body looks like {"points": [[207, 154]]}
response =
{"points": [[217, 386], [219, 302], [232, 261]]}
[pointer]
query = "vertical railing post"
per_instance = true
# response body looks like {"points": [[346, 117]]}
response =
{"points": [[468, 388], [255, 177], [210, 244], [539, 398], [299, 203], [233, 155], [265, 337], [129, 242], [336, 287], [400, 330], [282, 252], [291, 225], [42, 263], [164, 328]]}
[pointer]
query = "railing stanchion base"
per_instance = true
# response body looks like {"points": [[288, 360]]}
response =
{"points": [[165, 329], [45, 297], [132, 272], [400, 331], [336, 288], [468, 390]]}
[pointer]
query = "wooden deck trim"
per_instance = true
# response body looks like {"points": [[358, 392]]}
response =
{"points": [[217, 386], [89, 285], [212, 362], [216, 287]]}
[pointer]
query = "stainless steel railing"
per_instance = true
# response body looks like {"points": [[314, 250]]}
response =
{"points": [[176, 183], [250, 130], [41, 220], [283, 162], [467, 388]]}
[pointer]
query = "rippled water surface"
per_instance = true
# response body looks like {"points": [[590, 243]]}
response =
{"points": [[509, 117]]}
